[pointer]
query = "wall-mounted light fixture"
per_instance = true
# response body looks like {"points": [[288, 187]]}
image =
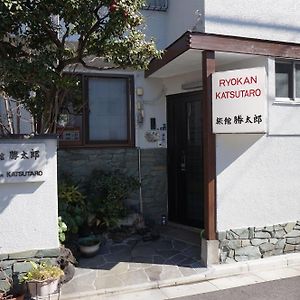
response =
{"points": [[139, 91]]}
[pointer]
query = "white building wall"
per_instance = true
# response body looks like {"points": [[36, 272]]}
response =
{"points": [[28, 211], [258, 175], [267, 19], [183, 16], [155, 26], [257, 180]]}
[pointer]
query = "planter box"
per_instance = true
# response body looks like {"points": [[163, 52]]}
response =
{"points": [[43, 288]]}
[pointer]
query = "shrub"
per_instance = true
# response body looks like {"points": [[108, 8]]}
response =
{"points": [[106, 193], [71, 205]]}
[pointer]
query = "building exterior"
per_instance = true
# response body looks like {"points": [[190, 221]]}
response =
{"points": [[240, 185]]}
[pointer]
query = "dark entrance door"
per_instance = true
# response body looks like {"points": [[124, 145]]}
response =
{"points": [[185, 159]]}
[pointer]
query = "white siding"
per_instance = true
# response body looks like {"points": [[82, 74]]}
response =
{"points": [[266, 19]]}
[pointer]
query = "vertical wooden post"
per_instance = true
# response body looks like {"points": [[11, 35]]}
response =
{"points": [[209, 143]]}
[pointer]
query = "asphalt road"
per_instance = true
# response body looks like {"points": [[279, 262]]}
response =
{"points": [[284, 289]]}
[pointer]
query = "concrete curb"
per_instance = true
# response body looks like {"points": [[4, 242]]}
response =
{"points": [[212, 272]]}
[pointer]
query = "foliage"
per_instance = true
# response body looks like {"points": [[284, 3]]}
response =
{"points": [[62, 228], [71, 205], [106, 193], [42, 41], [43, 271]]}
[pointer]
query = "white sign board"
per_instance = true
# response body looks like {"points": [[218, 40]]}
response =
{"points": [[22, 163], [239, 101]]}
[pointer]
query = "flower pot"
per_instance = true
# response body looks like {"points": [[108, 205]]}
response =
{"points": [[43, 288], [89, 246]]}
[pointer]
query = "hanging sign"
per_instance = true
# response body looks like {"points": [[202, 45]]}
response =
{"points": [[239, 101], [22, 163]]}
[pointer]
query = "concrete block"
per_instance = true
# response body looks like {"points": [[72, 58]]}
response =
{"points": [[210, 252], [48, 253], [23, 255]]}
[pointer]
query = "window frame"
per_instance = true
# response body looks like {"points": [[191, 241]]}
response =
{"points": [[85, 141], [294, 99], [155, 6]]}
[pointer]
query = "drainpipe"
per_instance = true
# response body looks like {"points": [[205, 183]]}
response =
{"points": [[140, 181]]}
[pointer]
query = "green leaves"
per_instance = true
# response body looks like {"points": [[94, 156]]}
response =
{"points": [[39, 39]]}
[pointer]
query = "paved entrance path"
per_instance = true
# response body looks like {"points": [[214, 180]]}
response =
{"points": [[167, 268], [136, 262]]}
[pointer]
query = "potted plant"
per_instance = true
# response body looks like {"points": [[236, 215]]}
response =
{"points": [[43, 279], [89, 245]]}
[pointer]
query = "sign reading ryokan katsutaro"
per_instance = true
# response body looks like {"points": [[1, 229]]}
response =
{"points": [[22, 163], [239, 101]]}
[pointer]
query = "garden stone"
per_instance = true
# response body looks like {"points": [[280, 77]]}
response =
{"points": [[257, 242], [4, 285], [289, 227], [250, 251], [241, 258], [278, 227], [289, 248], [242, 233], [266, 247], [269, 229], [230, 235], [262, 235], [246, 243], [234, 244], [6, 264], [273, 241], [22, 267], [280, 244], [293, 233], [280, 233], [293, 241], [277, 251]]}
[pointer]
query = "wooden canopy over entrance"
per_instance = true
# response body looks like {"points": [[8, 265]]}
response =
{"points": [[221, 43], [209, 44]]}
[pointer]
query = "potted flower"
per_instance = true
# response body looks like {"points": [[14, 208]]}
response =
{"points": [[89, 245], [43, 279]]}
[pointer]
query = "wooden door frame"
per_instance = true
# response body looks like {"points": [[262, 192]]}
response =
{"points": [[209, 150]]}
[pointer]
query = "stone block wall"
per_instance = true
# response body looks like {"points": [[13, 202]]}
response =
{"points": [[259, 242], [13, 266], [81, 162]]}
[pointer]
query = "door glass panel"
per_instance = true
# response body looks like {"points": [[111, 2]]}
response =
{"points": [[193, 123]]}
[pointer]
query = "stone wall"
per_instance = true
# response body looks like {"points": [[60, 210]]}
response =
{"points": [[13, 266], [80, 163], [259, 242]]}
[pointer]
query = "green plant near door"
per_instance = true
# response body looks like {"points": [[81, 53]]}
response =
{"points": [[106, 193], [71, 205]]}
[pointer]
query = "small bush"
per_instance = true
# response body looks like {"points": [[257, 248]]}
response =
{"points": [[71, 205], [106, 193]]}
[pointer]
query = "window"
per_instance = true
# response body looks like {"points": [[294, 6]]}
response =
{"points": [[160, 5], [106, 117], [287, 79]]}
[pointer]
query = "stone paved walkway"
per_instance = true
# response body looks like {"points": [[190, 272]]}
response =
{"points": [[134, 262]]}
